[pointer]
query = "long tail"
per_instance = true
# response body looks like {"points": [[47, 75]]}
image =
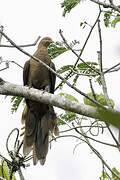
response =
{"points": [[36, 135]]}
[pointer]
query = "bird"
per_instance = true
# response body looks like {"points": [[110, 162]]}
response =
{"points": [[39, 118]]}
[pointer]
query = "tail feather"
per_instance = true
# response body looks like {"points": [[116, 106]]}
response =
{"points": [[36, 136], [30, 131], [42, 141], [35, 159]]}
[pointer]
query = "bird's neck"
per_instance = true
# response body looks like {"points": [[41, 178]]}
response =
{"points": [[42, 53]]}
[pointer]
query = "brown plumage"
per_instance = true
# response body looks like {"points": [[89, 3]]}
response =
{"points": [[39, 118]]}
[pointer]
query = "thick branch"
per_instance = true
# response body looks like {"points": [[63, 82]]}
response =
{"points": [[103, 114]]}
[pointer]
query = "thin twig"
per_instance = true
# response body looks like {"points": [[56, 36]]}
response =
{"points": [[81, 127], [4, 68], [108, 70], [88, 137], [21, 174], [79, 56], [93, 149], [103, 161], [11, 174], [9, 138], [81, 74], [1, 28], [92, 89], [101, 69], [88, 38], [16, 64], [26, 45]]}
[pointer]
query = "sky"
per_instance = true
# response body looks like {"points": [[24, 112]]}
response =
{"points": [[23, 22]]}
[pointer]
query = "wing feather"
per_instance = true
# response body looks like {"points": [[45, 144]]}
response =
{"points": [[26, 72], [53, 78]]}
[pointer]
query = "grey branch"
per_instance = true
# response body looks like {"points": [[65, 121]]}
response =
{"points": [[26, 45], [1, 28], [20, 174], [106, 5], [2, 178], [103, 114]]}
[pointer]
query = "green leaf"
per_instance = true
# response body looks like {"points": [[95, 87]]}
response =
{"points": [[5, 171], [104, 176], [99, 97], [107, 18], [69, 96], [75, 80], [84, 68], [56, 49], [83, 65], [116, 171], [15, 100], [67, 117], [64, 69], [115, 21], [68, 5]]}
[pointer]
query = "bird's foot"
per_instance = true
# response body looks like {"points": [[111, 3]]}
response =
{"points": [[46, 89]]}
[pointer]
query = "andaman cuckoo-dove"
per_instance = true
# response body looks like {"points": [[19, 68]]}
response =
{"points": [[39, 118]]}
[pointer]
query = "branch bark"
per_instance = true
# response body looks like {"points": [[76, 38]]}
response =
{"points": [[26, 45], [101, 113], [106, 5], [2, 178]]}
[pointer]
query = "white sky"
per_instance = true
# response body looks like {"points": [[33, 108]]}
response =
{"points": [[24, 21]]}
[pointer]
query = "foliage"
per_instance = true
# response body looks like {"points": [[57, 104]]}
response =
{"points": [[116, 20], [5, 171], [86, 69], [56, 49], [105, 175], [99, 97], [64, 69], [111, 18], [15, 100], [67, 116], [68, 5]]}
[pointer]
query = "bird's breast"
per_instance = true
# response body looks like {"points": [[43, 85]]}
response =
{"points": [[39, 75]]}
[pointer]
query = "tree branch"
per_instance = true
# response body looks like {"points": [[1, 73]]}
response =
{"points": [[84, 45], [1, 28], [59, 76], [101, 113], [2, 178], [26, 45], [106, 5], [104, 87]]}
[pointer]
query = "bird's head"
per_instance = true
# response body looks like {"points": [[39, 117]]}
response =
{"points": [[46, 41]]}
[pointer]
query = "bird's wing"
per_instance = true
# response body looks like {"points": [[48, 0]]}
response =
{"points": [[53, 78], [26, 72]]}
